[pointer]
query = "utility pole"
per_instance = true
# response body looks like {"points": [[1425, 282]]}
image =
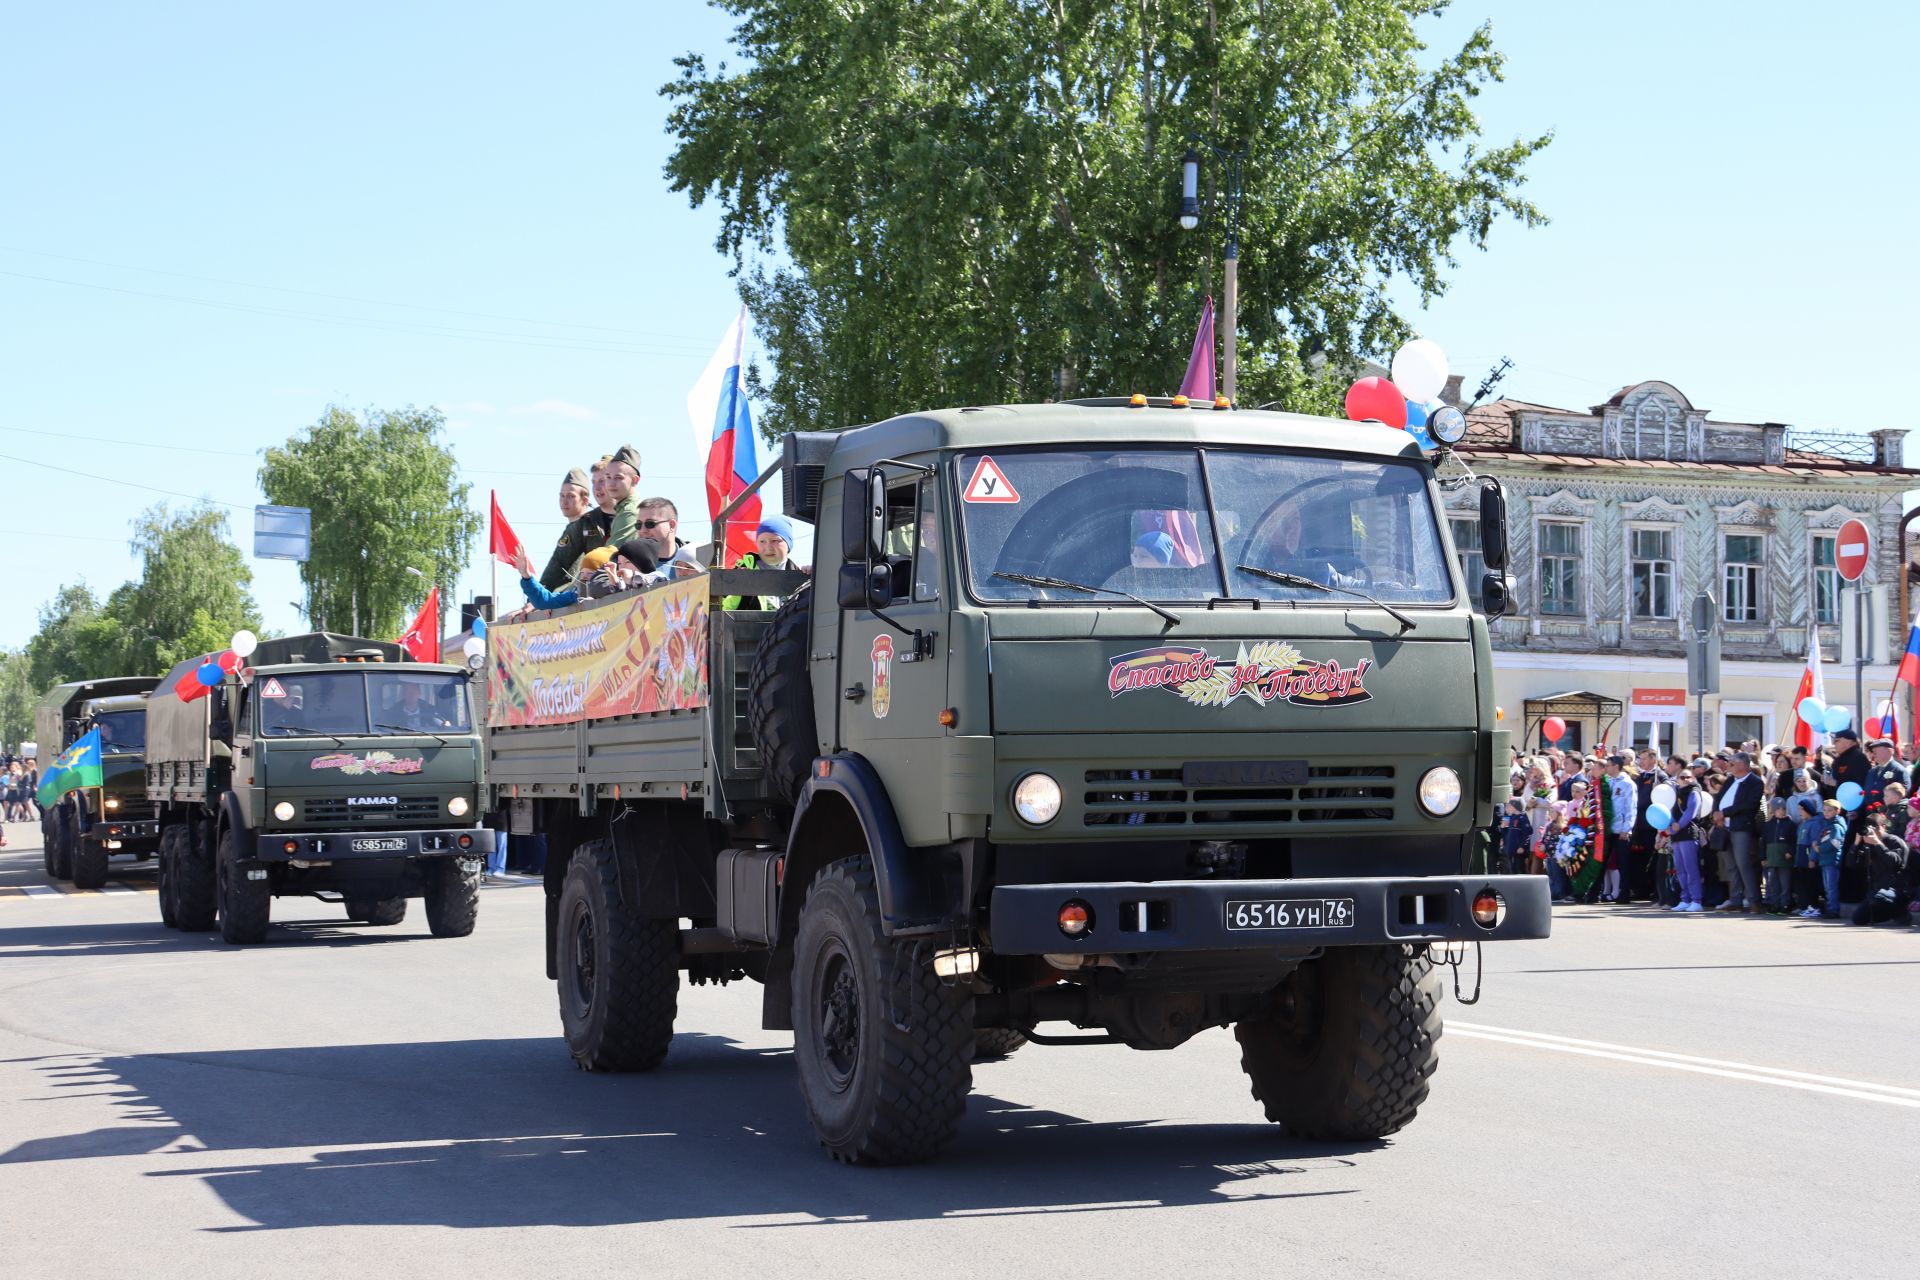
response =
{"points": [[1234, 191], [1703, 662]]}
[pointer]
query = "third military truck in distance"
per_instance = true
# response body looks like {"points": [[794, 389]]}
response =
{"points": [[91, 825], [331, 767], [1099, 722]]}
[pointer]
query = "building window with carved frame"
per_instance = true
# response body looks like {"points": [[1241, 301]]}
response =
{"points": [[1562, 590], [1743, 558], [1466, 541], [1826, 580], [1650, 555]]}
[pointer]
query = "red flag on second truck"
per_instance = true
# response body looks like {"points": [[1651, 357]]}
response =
{"points": [[502, 542], [1198, 384], [422, 639]]}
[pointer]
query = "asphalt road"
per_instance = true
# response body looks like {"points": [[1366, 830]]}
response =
{"points": [[1641, 1094]]}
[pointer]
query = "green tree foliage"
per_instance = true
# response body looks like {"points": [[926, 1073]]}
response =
{"points": [[193, 593], [17, 696], [976, 198], [77, 640], [385, 494]]}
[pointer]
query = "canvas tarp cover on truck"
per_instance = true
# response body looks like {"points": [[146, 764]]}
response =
{"points": [[60, 703], [637, 652]]}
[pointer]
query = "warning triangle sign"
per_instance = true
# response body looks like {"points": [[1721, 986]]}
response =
{"points": [[989, 484], [272, 689]]}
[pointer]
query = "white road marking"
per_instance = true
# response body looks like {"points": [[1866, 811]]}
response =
{"points": [[1838, 1086], [43, 891]]}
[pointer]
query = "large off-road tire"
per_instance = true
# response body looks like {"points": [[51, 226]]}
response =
{"points": [[196, 885], [63, 837], [376, 910], [89, 863], [884, 1047], [1343, 1049], [47, 843], [453, 896], [245, 905], [780, 699], [164, 874], [996, 1042], [619, 972]]}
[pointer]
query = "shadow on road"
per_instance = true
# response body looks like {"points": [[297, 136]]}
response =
{"points": [[144, 938], [488, 1133]]}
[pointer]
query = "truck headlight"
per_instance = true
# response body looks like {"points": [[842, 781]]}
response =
{"points": [[283, 811], [458, 806], [1036, 798], [112, 803], [1440, 791]]}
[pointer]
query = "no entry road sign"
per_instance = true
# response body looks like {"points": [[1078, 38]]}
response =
{"points": [[1850, 550]]}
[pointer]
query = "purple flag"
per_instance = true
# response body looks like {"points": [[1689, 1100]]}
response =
{"points": [[1198, 384]]}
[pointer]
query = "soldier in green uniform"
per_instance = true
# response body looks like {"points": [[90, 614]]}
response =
{"points": [[586, 529], [622, 474]]}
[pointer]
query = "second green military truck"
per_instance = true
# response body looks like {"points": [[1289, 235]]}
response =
{"points": [[1111, 722], [86, 827], [330, 767]]}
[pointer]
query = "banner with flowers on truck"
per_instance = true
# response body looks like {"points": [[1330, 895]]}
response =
{"points": [[637, 652]]}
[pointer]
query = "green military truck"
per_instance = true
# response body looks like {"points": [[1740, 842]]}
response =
{"points": [[1123, 715], [91, 825], [330, 767]]}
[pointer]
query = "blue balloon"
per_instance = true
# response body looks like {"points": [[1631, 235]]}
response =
{"points": [[479, 626], [209, 674], [1416, 414], [1812, 712], [1659, 817], [1850, 796], [1837, 718]]}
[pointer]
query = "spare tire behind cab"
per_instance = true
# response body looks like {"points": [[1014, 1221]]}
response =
{"points": [[780, 699]]}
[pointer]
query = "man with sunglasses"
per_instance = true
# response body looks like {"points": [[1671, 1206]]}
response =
{"points": [[655, 523]]}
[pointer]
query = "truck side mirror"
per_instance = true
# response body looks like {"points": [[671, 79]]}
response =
{"points": [[865, 586], [863, 515], [1496, 601], [1493, 526]]}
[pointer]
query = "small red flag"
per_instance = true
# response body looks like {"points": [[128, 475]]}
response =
{"points": [[422, 639], [502, 542]]}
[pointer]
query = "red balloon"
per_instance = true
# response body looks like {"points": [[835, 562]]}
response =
{"points": [[1555, 728], [229, 661], [1379, 399], [1873, 727]]}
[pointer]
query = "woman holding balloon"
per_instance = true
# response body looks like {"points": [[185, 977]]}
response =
{"points": [[1682, 806]]}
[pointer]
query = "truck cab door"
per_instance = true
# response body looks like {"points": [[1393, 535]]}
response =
{"points": [[891, 697]]}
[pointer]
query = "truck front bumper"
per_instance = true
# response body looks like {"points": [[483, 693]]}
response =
{"points": [[129, 829], [1241, 915], [344, 846]]}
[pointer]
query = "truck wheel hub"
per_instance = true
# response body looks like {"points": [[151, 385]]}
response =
{"points": [[839, 1020]]}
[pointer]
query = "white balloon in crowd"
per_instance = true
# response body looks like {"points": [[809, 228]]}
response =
{"points": [[1420, 370]]}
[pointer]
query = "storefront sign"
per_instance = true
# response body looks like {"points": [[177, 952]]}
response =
{"points": [[1659, 706]]}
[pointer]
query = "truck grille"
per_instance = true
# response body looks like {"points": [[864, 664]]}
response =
{"points": [[413, 810], [1161, 797]]}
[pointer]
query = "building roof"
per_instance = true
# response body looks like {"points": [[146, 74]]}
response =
{"points": [[1491, 435]]}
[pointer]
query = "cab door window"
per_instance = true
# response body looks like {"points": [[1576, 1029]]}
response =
{"points": [[912, 541]]}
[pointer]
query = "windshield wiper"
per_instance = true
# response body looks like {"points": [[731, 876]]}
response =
{"points": [[1035, 580], [427, 733], [282, 730], [1295, 580]]}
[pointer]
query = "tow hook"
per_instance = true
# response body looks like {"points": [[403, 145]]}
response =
{"points": [[1451, 954]]}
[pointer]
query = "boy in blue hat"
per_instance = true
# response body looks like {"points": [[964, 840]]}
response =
{"points": [[774, 543]]}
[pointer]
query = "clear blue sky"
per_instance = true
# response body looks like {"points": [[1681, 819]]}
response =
{"points": [[477, 191]]}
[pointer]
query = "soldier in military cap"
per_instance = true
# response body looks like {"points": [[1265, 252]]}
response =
{"points": [[1886, 769], [623, 473], [586, 529]]}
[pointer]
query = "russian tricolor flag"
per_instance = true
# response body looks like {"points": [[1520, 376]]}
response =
{"points": [[723, 427]]}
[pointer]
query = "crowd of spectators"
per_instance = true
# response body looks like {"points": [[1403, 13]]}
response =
{"points": [[616, 541], [1785, 831], [19, 780]]}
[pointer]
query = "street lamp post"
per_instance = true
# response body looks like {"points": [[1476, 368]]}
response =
{"points": [[1235, 162]]}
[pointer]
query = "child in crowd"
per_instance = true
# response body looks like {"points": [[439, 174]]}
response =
{"points": [[1829, 837], [1778, 838], [1516, 840]]}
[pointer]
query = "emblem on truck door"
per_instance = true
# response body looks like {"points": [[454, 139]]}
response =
{"points": [[1267, 672], [882, 676]]}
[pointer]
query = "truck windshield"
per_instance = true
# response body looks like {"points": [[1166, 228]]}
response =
{"points": [[1174, 525], [358, 703], [122, 733]]}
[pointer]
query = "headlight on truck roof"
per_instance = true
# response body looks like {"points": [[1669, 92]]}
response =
{"points": [[1036, 798], [457, 806], [1440, 791], [283, 811]]}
